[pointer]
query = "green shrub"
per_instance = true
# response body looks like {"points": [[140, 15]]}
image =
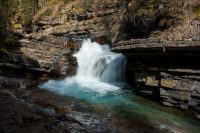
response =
{"points": [[196, 10], [3, 50], [66, 1], [17, 26], [146, 6], [10, 40]]}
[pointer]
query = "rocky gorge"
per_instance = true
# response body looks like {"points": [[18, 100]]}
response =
{"points": [[161, 40]]}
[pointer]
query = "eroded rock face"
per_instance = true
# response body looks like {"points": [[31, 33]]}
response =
{"points": [[42, 54], [99, 20], [170, 77], [13, 83], [58, 28]]}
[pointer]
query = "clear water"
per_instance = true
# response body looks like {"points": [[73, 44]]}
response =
{"points": [[100, 81]]}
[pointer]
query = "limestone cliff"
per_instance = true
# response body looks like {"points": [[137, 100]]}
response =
{"points": [[117, 20], [163, 54]]}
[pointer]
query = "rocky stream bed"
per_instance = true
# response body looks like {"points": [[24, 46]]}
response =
{"points": [[27, 108]]}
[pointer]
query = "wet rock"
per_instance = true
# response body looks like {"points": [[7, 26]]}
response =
{"points": [[18, 115], [146, 92], [195, 94], [91, 121], [168, 104], [180, 95], [47, 112], [30, 119], [151, 81], [185, 85], [15, 83], [168, 83], [165, 77], [194, 103], [163, 92]]}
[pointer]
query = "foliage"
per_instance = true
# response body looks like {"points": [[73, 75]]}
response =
{"points": [[196, 10], [17, 26], [147, 5], [66, 1], [7, 7], [3, 50], [10, 40], [2, 94]]}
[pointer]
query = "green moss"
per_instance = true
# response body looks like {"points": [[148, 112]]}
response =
{"points": [[146, 6], [66, 1], [10, 40], [196, 10], [3, 94], [17, 26], [47, 12], [3, 50], [43, 77]]}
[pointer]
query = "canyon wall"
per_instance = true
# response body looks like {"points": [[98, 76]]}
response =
{"points": [[40, 54], [160, 38], [165, 72], [57, 31]]}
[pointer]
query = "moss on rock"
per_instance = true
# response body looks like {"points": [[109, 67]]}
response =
{"points": [[196, 10]]}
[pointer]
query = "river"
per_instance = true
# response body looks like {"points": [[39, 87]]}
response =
{"points": [[100, 81]]}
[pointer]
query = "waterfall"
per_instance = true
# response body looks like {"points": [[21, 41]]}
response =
{"points": [[97, 62], [99, 77], [99, 70]]}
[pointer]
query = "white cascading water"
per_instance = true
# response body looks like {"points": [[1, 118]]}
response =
{"points": [[99, 70], [97, 62]]}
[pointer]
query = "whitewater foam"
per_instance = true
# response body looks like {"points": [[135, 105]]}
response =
{"points": [[99, 70]]}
